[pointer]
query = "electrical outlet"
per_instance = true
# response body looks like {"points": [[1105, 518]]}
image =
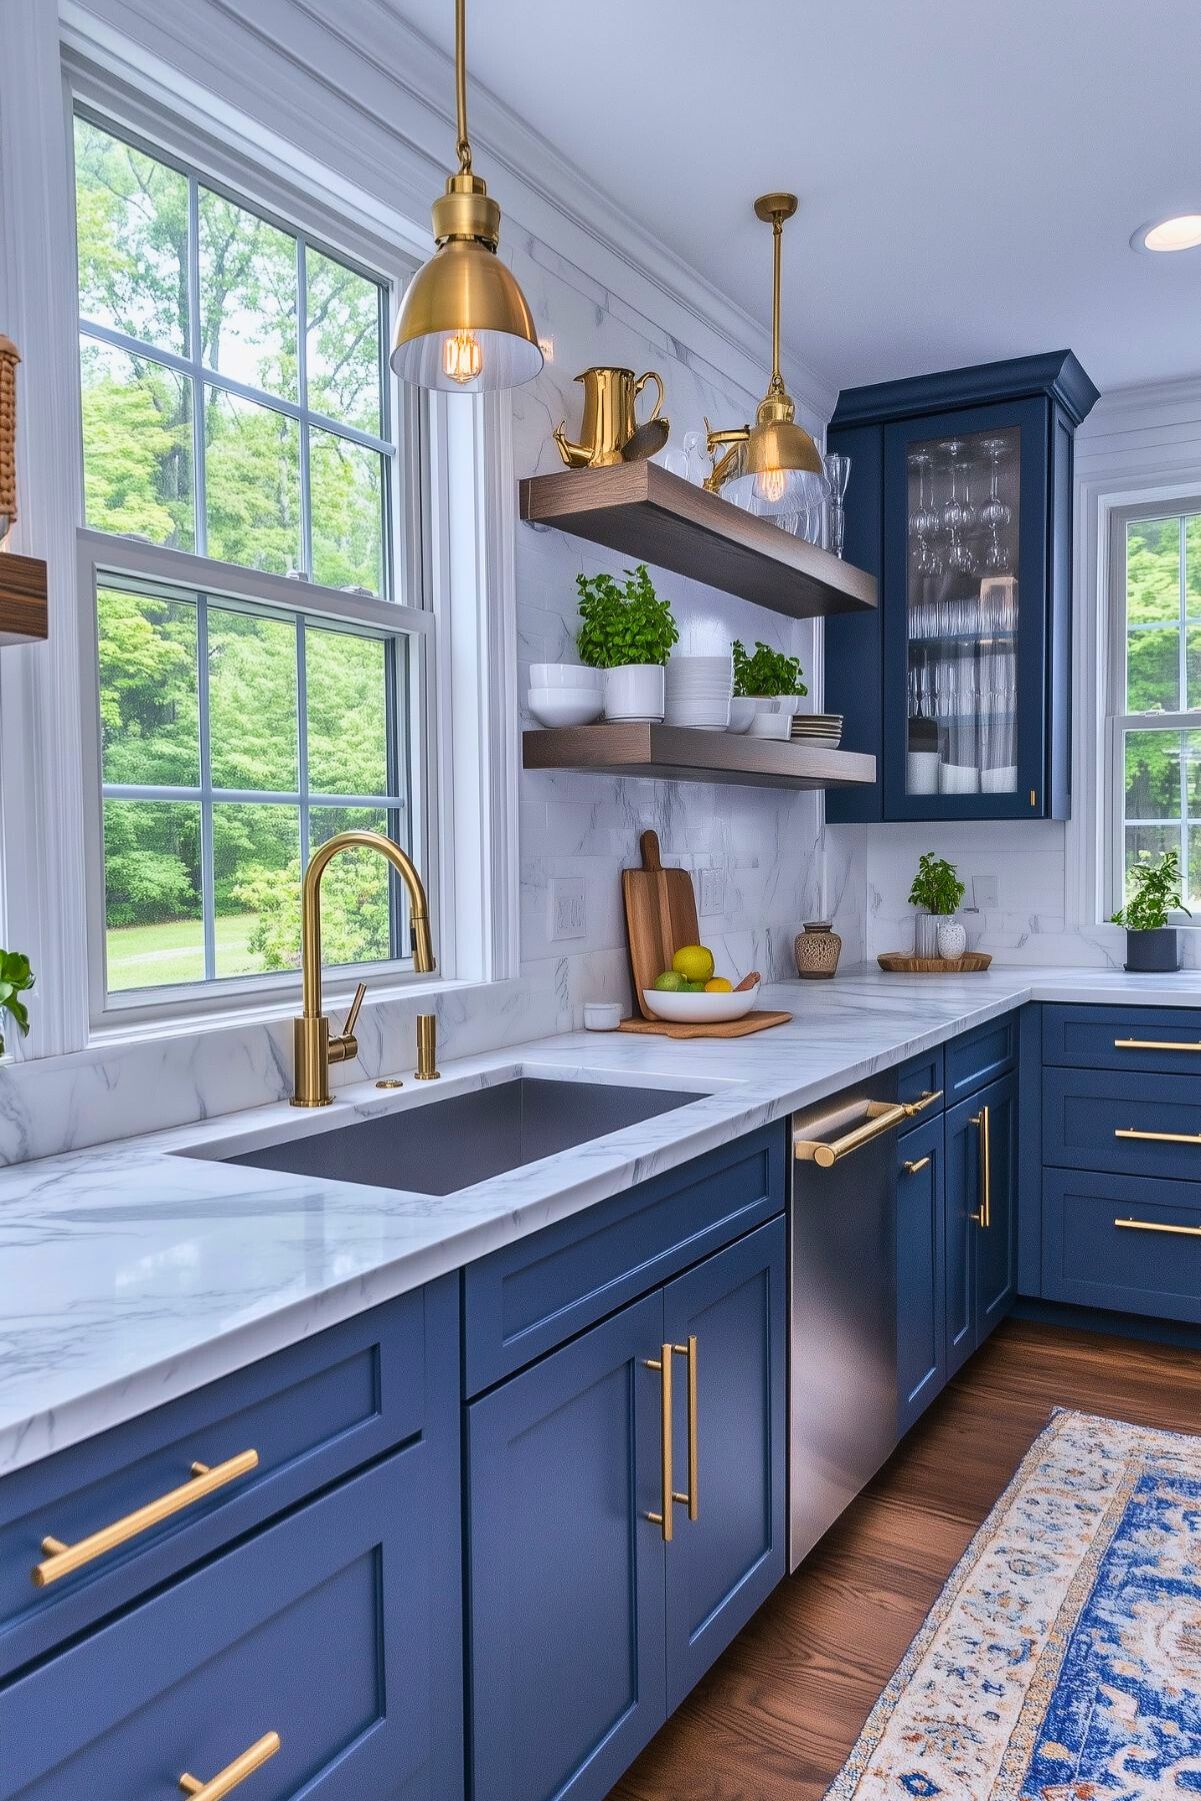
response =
{"points": [[568, 908], [713, 892], [984, 891]]}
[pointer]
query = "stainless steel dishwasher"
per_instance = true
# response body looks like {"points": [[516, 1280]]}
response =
{"points": [[843, 1325]]}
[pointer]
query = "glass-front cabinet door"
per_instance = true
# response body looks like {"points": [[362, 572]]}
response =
{"points": [[965, 613]]}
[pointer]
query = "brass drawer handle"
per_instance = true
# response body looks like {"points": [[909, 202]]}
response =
{"points": [[662, 1363], [984, 1218], [911, 1168], [1150, 1225], [1158, 1137], [881, 1118], [63, 1560], [235, 1773], [1152, 1044], [690, 1500]]}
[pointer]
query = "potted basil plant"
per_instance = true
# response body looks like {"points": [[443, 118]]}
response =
{"points": [[938, 891], [1152, 945], [771, 681], [16, 979], [626, 630]]}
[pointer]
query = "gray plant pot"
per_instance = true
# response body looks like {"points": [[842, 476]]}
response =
{"points": [[1153, 953]]}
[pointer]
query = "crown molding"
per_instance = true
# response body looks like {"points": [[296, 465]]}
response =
{"points": [[374, 104]]}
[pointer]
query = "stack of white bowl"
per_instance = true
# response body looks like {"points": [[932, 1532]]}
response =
{"points": [[699, 691], [565, 693]]}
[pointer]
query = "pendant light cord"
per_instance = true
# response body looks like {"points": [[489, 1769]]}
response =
{"points": [[463, 146]]}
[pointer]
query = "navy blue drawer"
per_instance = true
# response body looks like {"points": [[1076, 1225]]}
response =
{"points": [[312, 1413], [976, 1058], [525, 1299], [317, 1629], [1091, 1260], [1088, 1112], [923, 1075], [1164, 1039]]}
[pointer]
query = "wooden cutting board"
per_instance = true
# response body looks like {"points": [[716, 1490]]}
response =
{"points": [[660, 917], [731, 1028]]}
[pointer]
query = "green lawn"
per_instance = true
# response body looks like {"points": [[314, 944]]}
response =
{"points": [[151, 956]]}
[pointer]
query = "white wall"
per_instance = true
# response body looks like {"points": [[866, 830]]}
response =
{"points": [[1136, 444]]}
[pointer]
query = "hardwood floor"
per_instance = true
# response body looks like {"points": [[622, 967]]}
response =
{"points": [[778, 1713]]}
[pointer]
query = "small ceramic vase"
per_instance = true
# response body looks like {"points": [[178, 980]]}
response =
{"points": [[817, 950], [925, 934], [952, 939]]}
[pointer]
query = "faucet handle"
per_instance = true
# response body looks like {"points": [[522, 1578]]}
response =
{"points": [[352, 1018], [343, 1046]]}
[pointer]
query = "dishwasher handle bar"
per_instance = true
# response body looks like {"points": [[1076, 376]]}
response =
{"points": [[881, 1117]]}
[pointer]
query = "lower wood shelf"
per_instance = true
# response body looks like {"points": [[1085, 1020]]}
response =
{"points": [[679, 754], [23, 616]]}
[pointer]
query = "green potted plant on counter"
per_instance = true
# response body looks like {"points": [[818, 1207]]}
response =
{"points": [[938, 891], [1153, 891], [626, 630], [771, 681], [16, 979]]}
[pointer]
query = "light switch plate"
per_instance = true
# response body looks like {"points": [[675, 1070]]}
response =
{"points": [[713, 892], [568, 908]]}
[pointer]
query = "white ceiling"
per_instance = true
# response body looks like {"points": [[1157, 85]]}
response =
{"points": [[969, 173]]}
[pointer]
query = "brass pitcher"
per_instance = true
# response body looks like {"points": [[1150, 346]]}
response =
{"points": [[609, 423]]}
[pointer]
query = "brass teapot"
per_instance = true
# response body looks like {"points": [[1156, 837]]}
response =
{"points": [[611, 432]]}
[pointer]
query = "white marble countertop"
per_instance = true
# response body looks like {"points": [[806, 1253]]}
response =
{"points": [[130, 1274]]}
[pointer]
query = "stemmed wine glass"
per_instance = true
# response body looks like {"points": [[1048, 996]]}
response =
{"points": [[995, 513]]}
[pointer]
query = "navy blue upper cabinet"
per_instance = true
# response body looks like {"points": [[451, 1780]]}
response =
{"points": [[960, 503]]}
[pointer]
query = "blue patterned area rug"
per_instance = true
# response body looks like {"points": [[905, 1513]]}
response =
{"points": [[1062, 1661]]}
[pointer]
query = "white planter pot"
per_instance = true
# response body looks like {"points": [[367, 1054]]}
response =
{"points": [[635, 692], [926, 933]]}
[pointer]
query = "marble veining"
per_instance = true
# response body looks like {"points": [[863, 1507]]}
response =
{"points": [[130, 1274]]}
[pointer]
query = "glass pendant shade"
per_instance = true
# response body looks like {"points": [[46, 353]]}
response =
{"points": [[464, 325], [777, 491]]}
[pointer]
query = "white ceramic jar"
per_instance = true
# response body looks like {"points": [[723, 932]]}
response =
{"points": [[952, 938], [634, 692]]}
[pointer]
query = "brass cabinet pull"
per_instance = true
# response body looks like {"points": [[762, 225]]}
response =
{"points": [[881, 1118], [911, 1168], [63, 1560], [662, 1363], [984, 1218], [1152, 1044], [690, 1500], [1159, 1137], [235, 1773], [1150, 1225]]}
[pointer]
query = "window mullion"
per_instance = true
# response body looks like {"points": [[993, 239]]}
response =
{"points": [[208, 892], [302, 388], [195, 345], [302, 740]]}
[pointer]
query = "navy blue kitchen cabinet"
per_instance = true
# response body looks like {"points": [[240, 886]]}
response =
{"points": [[921, 1267], [981, 1216], [587, 1623], [960, 503]]}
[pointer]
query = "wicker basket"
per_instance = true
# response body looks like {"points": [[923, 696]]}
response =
{"points": [[8, 434]]}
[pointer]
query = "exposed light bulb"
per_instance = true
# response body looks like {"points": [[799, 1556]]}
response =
{"points": [[462, 356], [771, 484]]}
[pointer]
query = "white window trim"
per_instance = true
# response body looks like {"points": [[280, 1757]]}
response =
{"points": [[466, 808]]}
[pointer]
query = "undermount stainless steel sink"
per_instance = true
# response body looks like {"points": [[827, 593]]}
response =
{"points": [[450, 1144]]}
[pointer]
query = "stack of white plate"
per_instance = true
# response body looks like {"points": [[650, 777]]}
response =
{"points": [[565, 694], [699, 691], [821, 730]]}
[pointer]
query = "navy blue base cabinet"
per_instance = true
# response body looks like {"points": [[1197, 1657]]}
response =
{"points": [[960, 504], [587, 1625], [921, 1271], [981, 1215]]}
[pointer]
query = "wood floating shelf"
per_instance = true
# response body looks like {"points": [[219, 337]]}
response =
{"points": [[678, 753], [23, 615], [647, 513]]}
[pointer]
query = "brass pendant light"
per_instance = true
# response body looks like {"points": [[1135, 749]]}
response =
{"points": [[464, 325], [773, 466]]}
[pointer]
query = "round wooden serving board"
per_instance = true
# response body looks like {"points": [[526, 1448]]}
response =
{"points": [[897, 963]]}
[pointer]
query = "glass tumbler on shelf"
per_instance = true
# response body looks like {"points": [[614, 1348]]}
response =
{"points": [[838, 474]]}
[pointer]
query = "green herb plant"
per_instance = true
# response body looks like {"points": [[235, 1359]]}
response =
{"points": [[766, 672], [16, 978], [1155, 893], [623, 623], [936, 886]]}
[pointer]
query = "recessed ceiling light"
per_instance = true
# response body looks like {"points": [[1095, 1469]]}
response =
{"points": [[1181, 232]]}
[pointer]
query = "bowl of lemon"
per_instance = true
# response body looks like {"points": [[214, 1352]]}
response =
{"points": [[690, 994]]}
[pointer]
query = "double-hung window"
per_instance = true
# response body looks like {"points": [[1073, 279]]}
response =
{"points": [[1155, 685], [259, 656]]}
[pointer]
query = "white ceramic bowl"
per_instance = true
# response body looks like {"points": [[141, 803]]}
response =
{"points": [[565, 706], [771, 725], [699, 1009], [564, 675], [602, 1016], [742, 711]]}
